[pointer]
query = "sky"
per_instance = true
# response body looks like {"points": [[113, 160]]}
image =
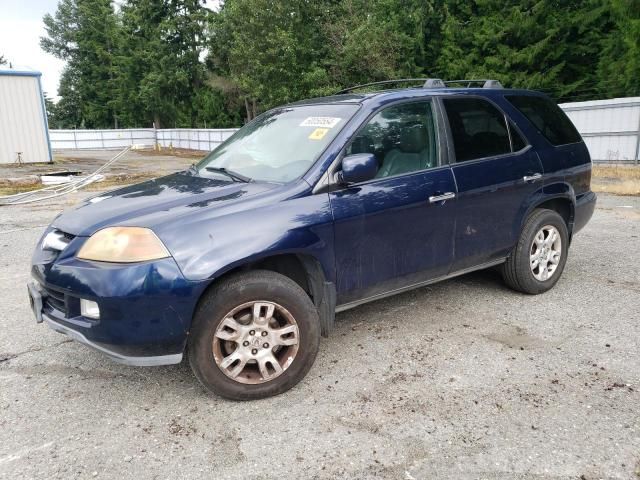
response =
{"points": [[20, 30]]}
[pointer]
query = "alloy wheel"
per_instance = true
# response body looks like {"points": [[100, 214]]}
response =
{"points": [[256, 342], [545, 253]]}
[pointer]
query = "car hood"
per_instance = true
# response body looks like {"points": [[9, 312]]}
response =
{"points": [[149, 203]]}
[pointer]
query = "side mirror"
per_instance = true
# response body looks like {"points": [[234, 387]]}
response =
{"points": [[358, 168]]}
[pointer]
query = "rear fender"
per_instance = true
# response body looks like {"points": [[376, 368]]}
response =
{"points": [[555, 191]]}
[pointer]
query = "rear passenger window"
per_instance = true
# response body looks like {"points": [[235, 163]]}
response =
{"points": [[478, 128], [547, 117]]}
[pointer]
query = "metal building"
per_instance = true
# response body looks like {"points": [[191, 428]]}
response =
{"points": [[24, 131], [610, 128]]}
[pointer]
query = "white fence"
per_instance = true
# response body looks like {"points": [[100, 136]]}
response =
{"points": [[191, 138], [610, 128]]}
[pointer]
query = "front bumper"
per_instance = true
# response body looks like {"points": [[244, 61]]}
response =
{"points": [[145, 308], [149, 361]]}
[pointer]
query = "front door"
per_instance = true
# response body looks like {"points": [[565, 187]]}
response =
{"points": [[495, 172], [394, 231]]}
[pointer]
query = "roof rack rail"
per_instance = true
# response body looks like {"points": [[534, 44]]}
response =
{"points": [[486, 83], [384, 82], [428, 83]]}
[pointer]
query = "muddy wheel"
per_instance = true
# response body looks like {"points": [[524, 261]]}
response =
{"points": [[255, 335]]}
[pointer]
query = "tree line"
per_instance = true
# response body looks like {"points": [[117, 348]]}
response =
{"points": [[176, 63]]}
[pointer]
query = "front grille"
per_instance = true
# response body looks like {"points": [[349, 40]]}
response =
{"points": [[55, 300], [67, 236]]}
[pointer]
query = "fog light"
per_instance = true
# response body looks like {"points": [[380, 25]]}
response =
{"points": [[89, 309]]}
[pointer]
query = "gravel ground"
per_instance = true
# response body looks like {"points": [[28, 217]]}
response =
{"points": [[464, 379]]}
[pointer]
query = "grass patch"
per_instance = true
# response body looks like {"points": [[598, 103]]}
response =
{"points": [[13, 189], [25, 165], [59, 159], [624, 187], [622, 172], [117, 181], [109, 183], [616, 179], [174, 152]]}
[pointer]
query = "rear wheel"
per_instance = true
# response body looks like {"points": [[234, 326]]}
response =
{"points": [[536, 263], [256, 334]]}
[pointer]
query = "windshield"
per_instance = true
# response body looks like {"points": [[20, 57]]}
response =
{"points": [[278, 146]]}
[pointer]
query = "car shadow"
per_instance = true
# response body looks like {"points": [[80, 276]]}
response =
{"points": [[488, 280]]}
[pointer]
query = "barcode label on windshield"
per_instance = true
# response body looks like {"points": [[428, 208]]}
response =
{"points": [[323, 122]]}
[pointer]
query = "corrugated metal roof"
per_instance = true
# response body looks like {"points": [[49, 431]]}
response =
{"points": [[20, 72]]}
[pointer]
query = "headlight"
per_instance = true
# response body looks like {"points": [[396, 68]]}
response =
{"points": [[123, 245]]}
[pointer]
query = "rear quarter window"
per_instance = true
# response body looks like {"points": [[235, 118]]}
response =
{"points": [[547, 117]]}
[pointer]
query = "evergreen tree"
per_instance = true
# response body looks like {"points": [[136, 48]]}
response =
{"points": [[540, 44], [69, 107], [83, 33], [159, 65], [619, 66], [372, 41], [268, 52], [176, 63], [50, 108]]}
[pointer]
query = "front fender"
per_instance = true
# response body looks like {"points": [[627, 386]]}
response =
{"points": [[213, 246]]}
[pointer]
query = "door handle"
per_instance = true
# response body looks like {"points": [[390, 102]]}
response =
{"points": [[442, 198], [532, 178]]}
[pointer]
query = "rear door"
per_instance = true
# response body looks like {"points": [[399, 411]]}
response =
{"points": [[390, 232], [496, 171]]}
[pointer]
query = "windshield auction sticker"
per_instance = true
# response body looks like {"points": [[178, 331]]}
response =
{"points": [[318, 134], [324, 122]]}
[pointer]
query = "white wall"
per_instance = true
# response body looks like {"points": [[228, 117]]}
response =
{"points": [[191, 138], [101, 139], [22, 119]]}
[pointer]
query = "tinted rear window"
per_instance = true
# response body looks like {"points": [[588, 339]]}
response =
{"points": [[479, 129], [547, 117]]}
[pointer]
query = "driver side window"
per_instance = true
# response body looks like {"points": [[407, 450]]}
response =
{"points": [[401, 137]]}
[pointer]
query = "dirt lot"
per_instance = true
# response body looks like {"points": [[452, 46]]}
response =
{"points": [[135, 166], [463, 380]]}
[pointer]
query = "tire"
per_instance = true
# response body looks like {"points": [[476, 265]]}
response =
{"points": [[519, 272], [219, 335]]}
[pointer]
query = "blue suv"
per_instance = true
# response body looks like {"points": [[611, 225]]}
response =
{"points": [[242, 261]]}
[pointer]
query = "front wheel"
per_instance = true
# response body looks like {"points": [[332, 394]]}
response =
{"points": [[255, 335], [537, 261]]}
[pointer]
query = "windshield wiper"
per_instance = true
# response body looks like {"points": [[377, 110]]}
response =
{"points": [[236, 177]]}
